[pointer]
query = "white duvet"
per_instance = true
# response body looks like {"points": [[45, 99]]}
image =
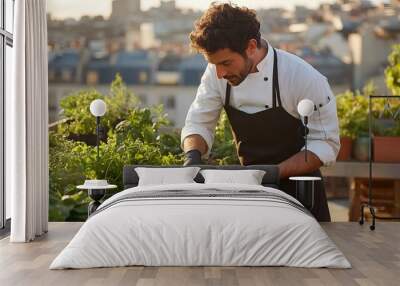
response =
{"points": [[200, 231]]}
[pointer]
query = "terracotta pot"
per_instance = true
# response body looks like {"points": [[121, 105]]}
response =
{"points": [[345, 149], [386, 149], [361, 148]]}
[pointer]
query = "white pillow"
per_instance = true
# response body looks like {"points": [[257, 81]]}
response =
{"points": [[249, 177], [164, 176]]}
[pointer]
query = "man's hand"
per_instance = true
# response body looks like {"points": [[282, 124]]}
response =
{"points": [[194, 146], [193, 157], [296, 165]]}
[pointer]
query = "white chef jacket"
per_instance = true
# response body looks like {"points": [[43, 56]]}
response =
{"points": [[297, 80]]}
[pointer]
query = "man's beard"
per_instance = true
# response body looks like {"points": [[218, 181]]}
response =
{"points": [[235, 80]]}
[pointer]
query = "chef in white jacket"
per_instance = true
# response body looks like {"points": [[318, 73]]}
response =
{"points": [[259, 87]]}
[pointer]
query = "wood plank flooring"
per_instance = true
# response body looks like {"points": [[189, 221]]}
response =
{"points": [[375, 257]]}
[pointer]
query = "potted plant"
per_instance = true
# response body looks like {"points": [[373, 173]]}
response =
{"points": [[346, 136], [387, 127], [386, 140], [353, 125]]}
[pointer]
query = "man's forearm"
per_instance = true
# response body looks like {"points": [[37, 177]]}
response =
{"points": [[195, 142], [296, 165]]}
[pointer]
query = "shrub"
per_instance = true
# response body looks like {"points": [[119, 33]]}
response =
{"points": [[353, 117], [134, 137], [392, 72], [224, 150], [352, 111]]}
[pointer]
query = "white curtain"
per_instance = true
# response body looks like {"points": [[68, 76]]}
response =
{"points": [[27, 124]]}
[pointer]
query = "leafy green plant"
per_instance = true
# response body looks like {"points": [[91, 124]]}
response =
{"points": [[120, 101], [392, 72], [134, 137], [387, 123], [352, 109], [224, 150], [391, 127], [68, 165]]}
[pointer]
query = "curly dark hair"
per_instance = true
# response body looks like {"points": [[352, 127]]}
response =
{"points": [[225, 26]]}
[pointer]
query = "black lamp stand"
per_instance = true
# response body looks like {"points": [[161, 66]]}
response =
{"points": [[305, 136], [96, 194], [98, 136]]}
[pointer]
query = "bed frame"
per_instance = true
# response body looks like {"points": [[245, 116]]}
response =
{"points": [[270, 179]]}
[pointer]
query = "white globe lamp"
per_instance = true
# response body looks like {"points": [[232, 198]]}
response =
{"points": [[98, 108], [305, 109]]}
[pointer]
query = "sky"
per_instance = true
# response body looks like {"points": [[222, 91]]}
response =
{"points": [[77, 8]]}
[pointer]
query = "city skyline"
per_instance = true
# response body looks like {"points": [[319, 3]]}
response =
{"points": [[77, 8]]}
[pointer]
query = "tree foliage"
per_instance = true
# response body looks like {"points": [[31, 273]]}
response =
{"points": [[392, 72]]}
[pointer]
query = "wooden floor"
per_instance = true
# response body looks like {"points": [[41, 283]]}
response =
{"points": [[375, 257]]}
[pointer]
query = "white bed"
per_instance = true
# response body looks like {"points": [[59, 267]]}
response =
{"points": [[185, 230]]}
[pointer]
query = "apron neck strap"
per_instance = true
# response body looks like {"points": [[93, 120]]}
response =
{"points": [[276, 95], [227, 94], [275, 86]]}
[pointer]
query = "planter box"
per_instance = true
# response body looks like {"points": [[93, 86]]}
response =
{"points": [[345, 149], [386, 149]]}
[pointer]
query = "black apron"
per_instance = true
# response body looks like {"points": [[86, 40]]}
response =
{"points": [[271, 136]]}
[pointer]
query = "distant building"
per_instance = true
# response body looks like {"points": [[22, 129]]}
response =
{"points": [[147, 36], [168, 70], [370, 49], [134, 67], [335, 70], [395, 3], [168, 5], [132, 37], [191, 69], [63, 66], [302, 13], [98, 71], [124, 9], [338, 45]]}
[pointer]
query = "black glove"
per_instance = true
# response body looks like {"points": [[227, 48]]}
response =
{"points": [[193, 157]]}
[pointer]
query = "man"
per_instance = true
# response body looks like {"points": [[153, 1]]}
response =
{"points": [[259, 87]]}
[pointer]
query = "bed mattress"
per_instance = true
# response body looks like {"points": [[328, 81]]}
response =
{"points": [[201, 225]]}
